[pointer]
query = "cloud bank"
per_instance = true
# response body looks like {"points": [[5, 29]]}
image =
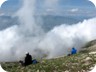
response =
{"points": [[29, 36]]}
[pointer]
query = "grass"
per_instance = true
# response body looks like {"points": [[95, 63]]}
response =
{"points": [[74, 63]]}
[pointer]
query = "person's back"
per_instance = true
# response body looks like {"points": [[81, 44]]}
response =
{"points": [[28, 59], [73, 51]]}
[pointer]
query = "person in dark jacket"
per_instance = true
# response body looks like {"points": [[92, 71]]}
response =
{"points": [[73, 51], [27, 61]]}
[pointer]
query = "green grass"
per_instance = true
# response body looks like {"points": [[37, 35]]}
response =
{"points": [[72, 63]]}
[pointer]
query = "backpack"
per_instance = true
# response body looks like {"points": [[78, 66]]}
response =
{"points": [[34, 61]]}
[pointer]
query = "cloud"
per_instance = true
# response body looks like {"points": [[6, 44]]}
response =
{"points": [[30, 36], [51, 2], [74, 10], [2, 14]]}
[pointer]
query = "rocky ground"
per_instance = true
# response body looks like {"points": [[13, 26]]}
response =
{"points": [[84, 61]]}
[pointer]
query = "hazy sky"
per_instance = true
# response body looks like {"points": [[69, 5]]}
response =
{"points": [[62, 7]]}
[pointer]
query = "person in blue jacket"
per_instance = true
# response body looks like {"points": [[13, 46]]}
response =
{"points": [[73, 51]]}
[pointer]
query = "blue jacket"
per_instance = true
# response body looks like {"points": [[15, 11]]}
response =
{"points": [[73, 51]]}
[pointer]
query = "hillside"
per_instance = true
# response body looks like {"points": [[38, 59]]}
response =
{"points": [[80, 62]]}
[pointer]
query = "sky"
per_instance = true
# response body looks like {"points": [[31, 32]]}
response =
{"points": [[62, 7]]}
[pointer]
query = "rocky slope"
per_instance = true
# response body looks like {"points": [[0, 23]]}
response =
{"points": [[84, 61]]}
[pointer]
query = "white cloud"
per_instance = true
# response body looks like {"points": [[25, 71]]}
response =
{"points": [[50, 10], [74, 10]]}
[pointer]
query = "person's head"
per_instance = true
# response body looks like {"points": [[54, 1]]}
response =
{"points": [[27, 53], [73, 48]]}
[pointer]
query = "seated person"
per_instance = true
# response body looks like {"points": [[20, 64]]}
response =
{"points": [[27, 61], [73, 51]]}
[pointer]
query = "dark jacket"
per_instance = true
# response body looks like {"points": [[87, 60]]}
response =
{"points": [[28, 59]]}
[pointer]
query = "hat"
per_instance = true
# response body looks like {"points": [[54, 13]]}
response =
{"points": [[27, 53]]}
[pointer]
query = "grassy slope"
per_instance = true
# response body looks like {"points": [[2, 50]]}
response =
{"points": [[73, 63], [81, 62]]}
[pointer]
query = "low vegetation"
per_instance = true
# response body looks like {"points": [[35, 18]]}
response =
{"points": [[75, 63], [83, 61]]}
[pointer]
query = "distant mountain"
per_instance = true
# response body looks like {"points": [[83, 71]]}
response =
{"points": [[49, 21]]}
